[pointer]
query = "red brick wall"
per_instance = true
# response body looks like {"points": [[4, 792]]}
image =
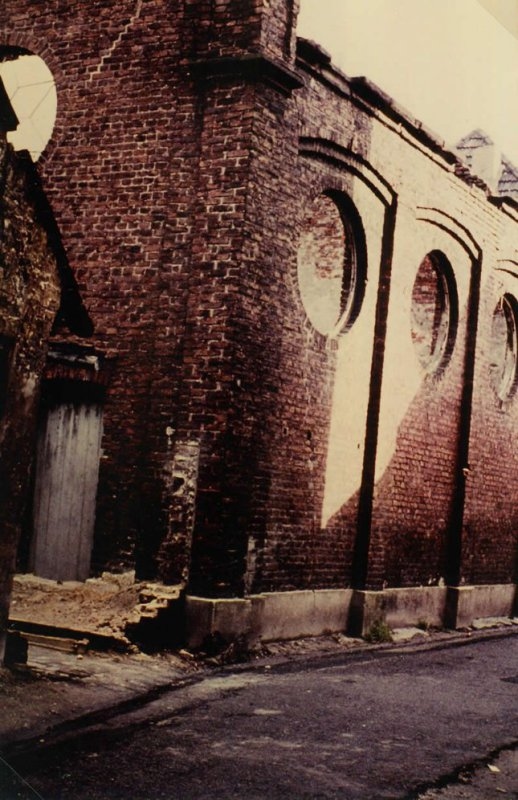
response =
{"points": [[491, 517], [415, 519], [147, 172], [121, 177], [243, 449]]}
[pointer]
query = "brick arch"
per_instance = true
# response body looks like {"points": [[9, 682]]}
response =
{"points": [[348, 162], [17, 45], [452, 227], [27, 44], [337, 168], [72, 43], [508, 265]]}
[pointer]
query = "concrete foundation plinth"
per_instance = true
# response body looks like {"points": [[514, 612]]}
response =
{"points": [[205, 617], [466, 603], [269, 616], [275, 616]]}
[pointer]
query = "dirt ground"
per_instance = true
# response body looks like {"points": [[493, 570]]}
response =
{"points": [[105, 606]]}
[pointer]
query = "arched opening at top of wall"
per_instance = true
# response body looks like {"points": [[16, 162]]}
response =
{"points": [[434, 312], [504, 348], [332, 263], [31, 89]]}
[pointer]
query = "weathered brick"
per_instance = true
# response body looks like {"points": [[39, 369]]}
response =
{"points": [[244, 450]]}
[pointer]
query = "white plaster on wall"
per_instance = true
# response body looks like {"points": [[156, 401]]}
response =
{"points": [[351, 389], [403, 374]]}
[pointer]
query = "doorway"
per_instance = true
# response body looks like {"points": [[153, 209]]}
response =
{"points": [[66, 477]]}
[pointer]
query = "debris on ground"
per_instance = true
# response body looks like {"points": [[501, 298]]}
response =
{"points": [[114, 606]]}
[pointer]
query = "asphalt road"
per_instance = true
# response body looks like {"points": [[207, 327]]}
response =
{"points": [[378, 724]]}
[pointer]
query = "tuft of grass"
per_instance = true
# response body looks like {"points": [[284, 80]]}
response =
{"points": [[423, 625], [378, 632]]}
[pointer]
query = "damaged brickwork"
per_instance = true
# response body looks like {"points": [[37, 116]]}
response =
{"points": [[257, 439], [36, 289]]}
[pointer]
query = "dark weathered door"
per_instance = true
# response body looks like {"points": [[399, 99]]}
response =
{"points": [[67, 470]]}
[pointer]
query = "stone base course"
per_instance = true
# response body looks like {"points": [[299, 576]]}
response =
{"points": [[288, 615]]}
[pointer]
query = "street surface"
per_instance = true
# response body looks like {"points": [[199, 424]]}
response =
{"points": [[389, 723]]}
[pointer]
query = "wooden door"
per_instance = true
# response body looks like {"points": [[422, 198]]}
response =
{"points": [[67, 469]]}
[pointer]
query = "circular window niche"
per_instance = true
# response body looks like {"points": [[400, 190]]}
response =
{"points": [[504, 347], [434, 312], [31, 89], [331, 263]]}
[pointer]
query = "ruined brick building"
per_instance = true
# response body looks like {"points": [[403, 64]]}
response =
{"points": [[304, 363], [37, 291]]}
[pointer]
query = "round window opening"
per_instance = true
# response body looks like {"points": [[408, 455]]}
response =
{"points": [[434, 312], [331, 264], [504, 347], [32, 92]]}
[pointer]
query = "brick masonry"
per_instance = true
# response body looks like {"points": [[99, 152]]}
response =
{"points": [[245, 450], [36, 290]]}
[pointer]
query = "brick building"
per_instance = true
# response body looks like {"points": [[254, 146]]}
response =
{"points": [[305, 350], [37, 292]]}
